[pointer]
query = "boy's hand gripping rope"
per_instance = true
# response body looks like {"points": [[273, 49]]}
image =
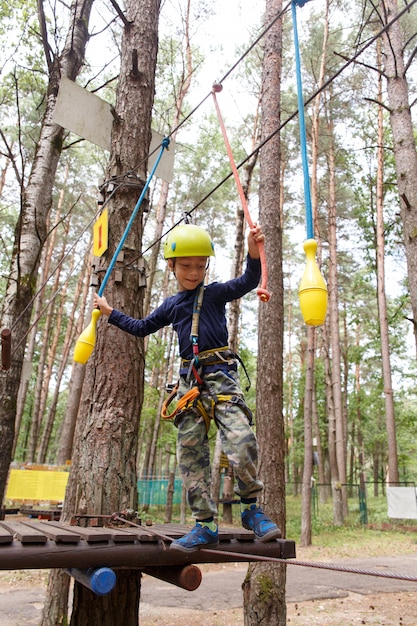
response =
{"points": [[262, 291]]}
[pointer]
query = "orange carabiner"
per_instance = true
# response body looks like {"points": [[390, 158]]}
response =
{"points": [[187, 398]]}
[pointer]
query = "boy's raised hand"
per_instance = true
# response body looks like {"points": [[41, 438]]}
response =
{"points": [[254, 237]]}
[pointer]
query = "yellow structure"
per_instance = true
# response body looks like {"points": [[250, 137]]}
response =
{"points": [[87, 340], [37, 485], [312, 292], [101, 233]]}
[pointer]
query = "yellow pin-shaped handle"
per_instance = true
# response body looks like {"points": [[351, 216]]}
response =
{"points": [[87, 340], [313, 289]]}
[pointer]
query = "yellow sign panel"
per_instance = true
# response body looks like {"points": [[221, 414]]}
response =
{"points": [[101, 233], [37, 485]]}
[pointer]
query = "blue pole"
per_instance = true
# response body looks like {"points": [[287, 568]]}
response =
{"points": [[165, 144], [303, 141], [100, 580]]}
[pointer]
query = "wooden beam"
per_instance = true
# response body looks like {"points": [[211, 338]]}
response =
{"points": [[45, 545], [187, 577]]}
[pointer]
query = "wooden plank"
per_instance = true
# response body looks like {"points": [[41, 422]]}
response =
{"points": [[58, 532], [116, 533], [110, 533], [146, 536], [5, 536], [25, 533], [92, 535], [123, 535]]}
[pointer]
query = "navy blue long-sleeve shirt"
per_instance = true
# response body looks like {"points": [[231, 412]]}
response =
{"points": [[178, 311]]}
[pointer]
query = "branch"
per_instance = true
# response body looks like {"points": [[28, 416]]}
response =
{"points": [[381, 104], [9, 155], [44, 35], [369, 67], [410, 59], [120, 13]]}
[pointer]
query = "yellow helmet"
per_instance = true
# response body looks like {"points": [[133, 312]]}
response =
{"points": [[188, 240]]}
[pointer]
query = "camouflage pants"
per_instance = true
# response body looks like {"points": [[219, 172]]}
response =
{"points": [[232, 418]]}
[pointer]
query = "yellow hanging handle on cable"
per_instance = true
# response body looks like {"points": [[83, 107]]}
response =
{"points": [[312, 291]]}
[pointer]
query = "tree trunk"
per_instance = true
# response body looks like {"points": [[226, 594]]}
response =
{"points": [[331, 433], [56, 602], [120, 606], [393, 475], [404, 142], [361, 455], [264, 587], [309, 397], [55, 314], [305, 539], [75, 386], [334, 328], [103, 473], [182, 90], [104, 470], [319, 446], [51, 414], [40, 384], [30, 233]]}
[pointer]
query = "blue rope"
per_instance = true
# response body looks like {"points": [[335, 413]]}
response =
{"points": [[164, 144], [303, 141]]}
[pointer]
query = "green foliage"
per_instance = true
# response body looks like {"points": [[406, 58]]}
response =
{"points": [[347, 116]]}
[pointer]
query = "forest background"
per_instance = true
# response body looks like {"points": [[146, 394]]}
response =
{"points": [[210, 43]]}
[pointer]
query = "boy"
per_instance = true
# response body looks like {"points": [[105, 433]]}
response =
{"points": [[198, 315]]}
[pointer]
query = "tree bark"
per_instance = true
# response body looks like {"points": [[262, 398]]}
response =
{"points": [[340, 432], [331, 433], [182, 89], [405, 153], [305, 538], [120, 606], [393, 474], [103, 473], [264, 587], [75, 386]]}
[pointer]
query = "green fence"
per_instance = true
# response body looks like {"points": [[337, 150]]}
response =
{"points": [[155, 491]]}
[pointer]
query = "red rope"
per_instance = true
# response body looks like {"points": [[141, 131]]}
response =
{"points": [[262, 292]]}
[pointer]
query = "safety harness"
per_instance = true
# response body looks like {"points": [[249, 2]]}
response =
{"points": [[191, 400]]}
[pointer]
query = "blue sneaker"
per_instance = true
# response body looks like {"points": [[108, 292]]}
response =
{"points": [[199, 537], [263, 527]]}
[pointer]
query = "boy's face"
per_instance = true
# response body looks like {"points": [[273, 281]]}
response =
{"points": [[189, 271]]}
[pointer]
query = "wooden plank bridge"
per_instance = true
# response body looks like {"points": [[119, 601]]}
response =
{"points": [[41, 544]]}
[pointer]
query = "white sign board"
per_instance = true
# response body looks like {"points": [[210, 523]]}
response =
{"points": [[87, 115], [83, 113], [402, 502]]}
